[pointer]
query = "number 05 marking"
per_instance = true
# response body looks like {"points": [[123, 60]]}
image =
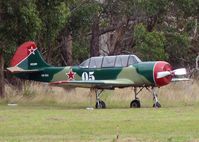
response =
{"points": [[88, 76]]}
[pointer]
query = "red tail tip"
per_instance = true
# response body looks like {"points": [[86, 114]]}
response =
{"points": [[22, 52]]}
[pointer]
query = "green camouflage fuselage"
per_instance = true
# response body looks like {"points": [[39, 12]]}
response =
{"points": [[140, 74]]}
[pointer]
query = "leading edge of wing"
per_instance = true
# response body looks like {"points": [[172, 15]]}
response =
{"points": [[94, 83]]}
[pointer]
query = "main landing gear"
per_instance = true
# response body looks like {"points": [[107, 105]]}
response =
{"points": [[136, 102], [99, 103]]}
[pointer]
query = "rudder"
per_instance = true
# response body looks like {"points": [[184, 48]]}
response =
{"points": [[27, 57]]}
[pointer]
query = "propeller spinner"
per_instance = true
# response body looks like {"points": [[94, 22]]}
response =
{"points": [[163, 73]]}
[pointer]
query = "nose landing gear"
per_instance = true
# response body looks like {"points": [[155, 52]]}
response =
{"points": [[136, 102], [155, 98]]}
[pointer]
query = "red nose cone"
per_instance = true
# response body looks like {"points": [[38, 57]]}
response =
{"points": [[161, 66]]}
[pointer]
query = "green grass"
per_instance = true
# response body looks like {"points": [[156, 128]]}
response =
{"points": [[38, 123], [48, 114]]}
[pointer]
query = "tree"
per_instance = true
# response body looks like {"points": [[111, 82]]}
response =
{"points": [[66, 46], [180, 28], [118, 18], [83, 24], [2, 86], [94, 45], [76, 30], [149, 45], [19, 23], [54, 15]]}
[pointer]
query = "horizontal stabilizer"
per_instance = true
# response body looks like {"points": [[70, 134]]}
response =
{"points": [[20, 70]]}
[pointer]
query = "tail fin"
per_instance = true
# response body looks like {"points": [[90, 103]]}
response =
{"points": [[27, 58]]}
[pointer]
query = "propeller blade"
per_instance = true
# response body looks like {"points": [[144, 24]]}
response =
{"points": [[181, 71], [163, 74]]}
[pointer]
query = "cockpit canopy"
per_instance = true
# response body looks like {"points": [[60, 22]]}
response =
{"points": [[110, 61]]}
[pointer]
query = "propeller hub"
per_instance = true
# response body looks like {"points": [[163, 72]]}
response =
{"points": [[162, 66]]}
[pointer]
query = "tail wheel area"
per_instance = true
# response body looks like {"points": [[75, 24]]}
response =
{"points": [[135, 104]]}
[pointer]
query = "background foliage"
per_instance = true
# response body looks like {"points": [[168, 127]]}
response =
{"points": [[154, 30]]}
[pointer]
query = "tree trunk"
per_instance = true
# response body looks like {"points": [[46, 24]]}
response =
{"points": [[94, 46], [48, 57], [66, 48], [151, 23], [115, 41], [2, 84], [118, 36]]}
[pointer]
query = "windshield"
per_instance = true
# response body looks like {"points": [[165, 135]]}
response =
{"points": [[110, 61]]}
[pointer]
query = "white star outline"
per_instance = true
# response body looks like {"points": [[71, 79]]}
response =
{"points": [[32, 50]]}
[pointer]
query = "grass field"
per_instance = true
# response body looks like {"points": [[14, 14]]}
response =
{"points": [[49, 115], [55, 123]]}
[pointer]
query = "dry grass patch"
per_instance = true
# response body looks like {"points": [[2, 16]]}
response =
{"points": [[174, 94]]}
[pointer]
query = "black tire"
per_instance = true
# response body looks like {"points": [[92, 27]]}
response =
{"points": [[135, 104], [157, 105], [100, 104]]}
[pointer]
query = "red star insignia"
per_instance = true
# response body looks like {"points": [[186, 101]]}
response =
{"points": [[71, 75], [31, 50]]}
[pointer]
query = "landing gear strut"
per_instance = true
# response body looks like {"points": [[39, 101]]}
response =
{"points": [[99, 103], [155, 98], [136, 102]]}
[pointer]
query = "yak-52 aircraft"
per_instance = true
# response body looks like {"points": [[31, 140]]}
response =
{"points": [[98, 73]]}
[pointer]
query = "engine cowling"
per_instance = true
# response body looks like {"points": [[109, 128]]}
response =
{"points": [[158, 73]]}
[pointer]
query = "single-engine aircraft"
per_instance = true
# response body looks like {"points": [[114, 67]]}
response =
{"points": [[97, 73]]}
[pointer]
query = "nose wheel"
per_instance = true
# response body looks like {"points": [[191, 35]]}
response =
{"points": [[157, 105], [155, 98]]}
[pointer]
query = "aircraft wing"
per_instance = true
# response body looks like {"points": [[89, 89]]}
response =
{"points": [[103, 84]]}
